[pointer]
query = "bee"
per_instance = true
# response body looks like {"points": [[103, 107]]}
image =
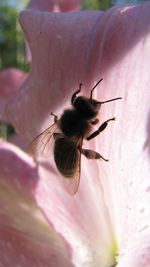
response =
{"points": [[68, 132]]}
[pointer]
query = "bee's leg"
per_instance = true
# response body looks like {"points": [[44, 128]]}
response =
{"points": [[75, 94], [90, 154], [55, 117], [100, 129]]}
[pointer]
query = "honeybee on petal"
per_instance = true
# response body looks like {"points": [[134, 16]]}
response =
{"points": [[68, 132]]}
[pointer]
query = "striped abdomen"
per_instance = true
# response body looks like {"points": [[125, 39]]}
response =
{"points": [[66, 156]]}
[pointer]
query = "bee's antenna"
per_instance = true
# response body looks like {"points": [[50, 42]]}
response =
{"points": [[95, 87], [109, 100]]}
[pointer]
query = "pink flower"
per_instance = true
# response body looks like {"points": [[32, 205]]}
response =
{"points": [[10, 81], [51, 5], [107, 221]]}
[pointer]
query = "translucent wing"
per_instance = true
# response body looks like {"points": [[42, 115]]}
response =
{"points": [[42, 144], [71, 183]]}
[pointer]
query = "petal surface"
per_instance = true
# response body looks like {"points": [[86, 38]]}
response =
{"points": [[50, 5], [10, 81], [27, 238], [83, 47]]}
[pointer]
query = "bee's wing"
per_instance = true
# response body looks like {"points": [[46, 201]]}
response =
{"points": [[41, 145], [72, 183]]}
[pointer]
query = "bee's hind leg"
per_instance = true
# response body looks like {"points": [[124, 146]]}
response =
{"points": [[90, 154]]}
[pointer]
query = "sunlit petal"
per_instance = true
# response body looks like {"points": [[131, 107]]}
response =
{"points": [[27, 238]]}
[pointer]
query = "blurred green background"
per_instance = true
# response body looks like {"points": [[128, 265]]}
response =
{"points": [[12, 48]]}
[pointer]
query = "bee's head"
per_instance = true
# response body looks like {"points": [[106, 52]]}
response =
{"points": [[88, 108]]}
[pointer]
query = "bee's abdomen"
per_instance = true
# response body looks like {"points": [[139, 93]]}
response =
{"points": [[66, 156]]}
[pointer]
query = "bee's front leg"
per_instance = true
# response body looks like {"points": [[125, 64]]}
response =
{"points": [[100, 129], [75, 94], [90, 154], [55, 117]]}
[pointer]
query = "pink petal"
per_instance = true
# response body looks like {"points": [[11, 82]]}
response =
{"points": [[83, 47], [82, 220], [16, 249], [26, 191], [71, 5], [41, 93], [27, 239], [19, 141], [43, 5], [52, 6], [49, 5], [10, 81]]}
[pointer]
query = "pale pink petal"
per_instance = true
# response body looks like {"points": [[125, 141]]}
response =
{"points": [[53, 85], [10, 81], [27, 238], [112, 204], [25, 187], [82, 220], [19, 141], [50, 5], [17, 249], [69, 5], [43, 5]]}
